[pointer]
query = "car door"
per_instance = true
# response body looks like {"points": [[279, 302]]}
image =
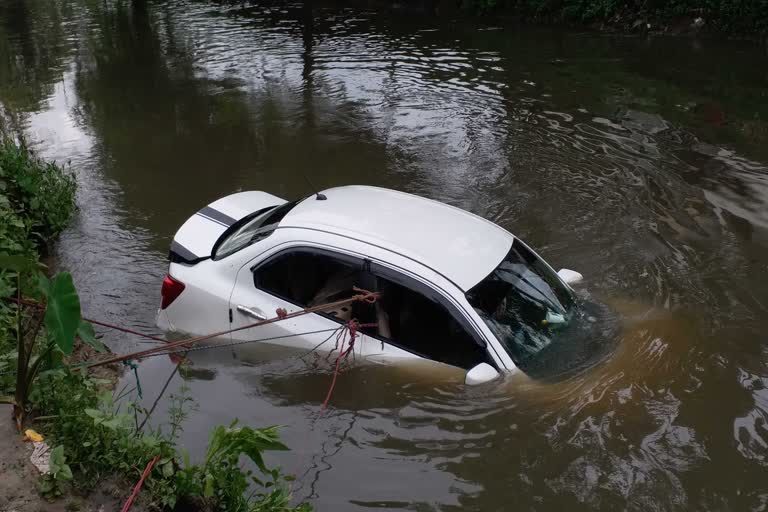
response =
{"points": [[293, 279], [415, 317]]}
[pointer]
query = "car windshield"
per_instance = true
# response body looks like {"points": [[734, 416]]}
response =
{"points": [[524, 303], [250, 229]]}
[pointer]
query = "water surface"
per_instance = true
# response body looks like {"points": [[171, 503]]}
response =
{"points": [[640, 162]]}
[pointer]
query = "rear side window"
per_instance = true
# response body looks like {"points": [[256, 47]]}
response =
{"points": [[250, 229], [308, 278], [405, 317]]}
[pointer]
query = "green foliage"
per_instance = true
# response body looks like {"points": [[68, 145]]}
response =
{"points": [[53, 484], [741, 16], [62, 312], [37, 199], [220, 479], [41, 194], [100, 441], [62, 319]]}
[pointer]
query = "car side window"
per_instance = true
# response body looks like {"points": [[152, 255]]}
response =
{"points": [[309, 278], [405, 316]]}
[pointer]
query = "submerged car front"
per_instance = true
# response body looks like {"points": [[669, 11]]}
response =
{"points": [[531, 310]]}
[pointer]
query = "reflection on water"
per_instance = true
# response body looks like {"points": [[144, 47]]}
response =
{"points": [[641, 163]]}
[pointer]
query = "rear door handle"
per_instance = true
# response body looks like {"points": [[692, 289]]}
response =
{"points": [[252, 312]]}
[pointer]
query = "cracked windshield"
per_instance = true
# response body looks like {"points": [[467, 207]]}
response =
{"points": [[419, 255]]}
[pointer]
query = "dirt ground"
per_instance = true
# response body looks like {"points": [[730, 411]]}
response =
{"points": [[18, 479]]}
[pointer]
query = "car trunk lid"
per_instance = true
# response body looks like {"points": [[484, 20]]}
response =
{"points": [[195, 239]]}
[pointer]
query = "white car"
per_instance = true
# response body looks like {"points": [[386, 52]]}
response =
{"points": [[455, 288]]}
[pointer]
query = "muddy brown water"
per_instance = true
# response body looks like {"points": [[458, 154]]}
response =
{"points": [[640, 162]]}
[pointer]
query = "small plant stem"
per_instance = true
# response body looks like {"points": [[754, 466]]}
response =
{"points": [[159, 396], [32, 372], [21, 364], [49, 417]]}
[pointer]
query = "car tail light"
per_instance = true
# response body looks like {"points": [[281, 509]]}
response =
{"points": [[171, 289]]}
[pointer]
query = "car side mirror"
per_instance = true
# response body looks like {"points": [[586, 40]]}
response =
{"points": [[480, 374], [569, 276]]}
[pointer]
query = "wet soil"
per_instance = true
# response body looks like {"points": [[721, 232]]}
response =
{"points": [[18, 480]]}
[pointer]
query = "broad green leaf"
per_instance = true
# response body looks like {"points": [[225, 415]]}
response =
{"points": [[93, 413], [62, 315], [208, 491], [167, 469], [57, 457], [88, 336], [112, 424], [45, 485], [6, 289], [64, 473]]}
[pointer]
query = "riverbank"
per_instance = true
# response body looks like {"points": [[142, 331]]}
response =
{"points": [[18, 480], [731, 18], [37, 201], [727, 17]]}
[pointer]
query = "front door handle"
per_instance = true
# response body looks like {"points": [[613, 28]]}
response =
{"points": [[252, 312]]}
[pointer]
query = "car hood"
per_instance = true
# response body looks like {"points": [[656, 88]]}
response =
{"points": [[195, 239]]}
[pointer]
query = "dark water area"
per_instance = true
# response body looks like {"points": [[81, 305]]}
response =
{"points": [[640, 162]]}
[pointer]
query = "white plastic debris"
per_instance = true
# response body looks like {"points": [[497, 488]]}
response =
{"points": [[41, 457], [555, 318]]}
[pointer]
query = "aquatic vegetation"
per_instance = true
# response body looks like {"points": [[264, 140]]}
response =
{"points": [[745, 16]]}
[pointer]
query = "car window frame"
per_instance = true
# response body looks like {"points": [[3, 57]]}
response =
{"points": [[272, 227], [368, 264]]}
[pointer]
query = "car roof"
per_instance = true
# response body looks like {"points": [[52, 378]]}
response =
{"points": [[461, 246]]}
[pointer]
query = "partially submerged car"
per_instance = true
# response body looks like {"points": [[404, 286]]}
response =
{"points": [[454, 288]]}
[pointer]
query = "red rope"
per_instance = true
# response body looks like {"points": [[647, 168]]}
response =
{"points": [[351, 327], [125, 330], [136, 489], [38, 305], [281, 314]]}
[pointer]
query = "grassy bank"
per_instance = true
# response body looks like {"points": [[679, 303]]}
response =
{"points": [[96, 436], [37, 201], [727, 16]]}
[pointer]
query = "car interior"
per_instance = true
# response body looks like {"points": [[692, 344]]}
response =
{"points": [[403, 317]]}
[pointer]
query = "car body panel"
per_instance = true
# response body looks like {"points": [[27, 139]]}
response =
{"points": [[440, 236]]}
